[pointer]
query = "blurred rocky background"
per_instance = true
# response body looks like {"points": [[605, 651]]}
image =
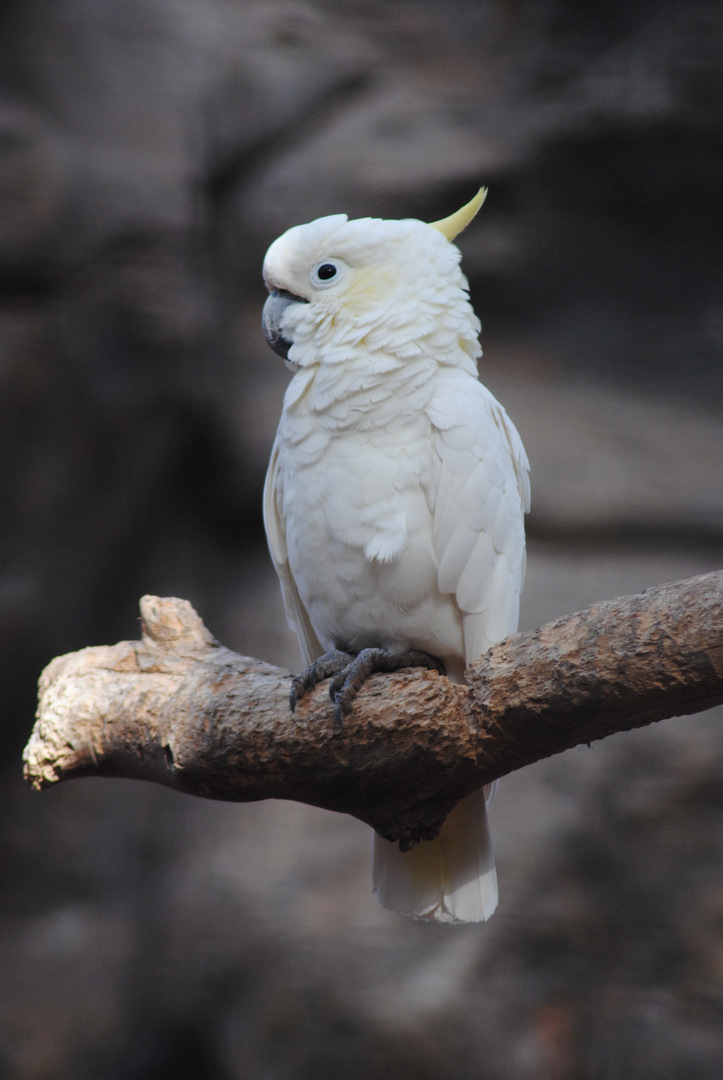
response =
{"points": [[150, 150]]}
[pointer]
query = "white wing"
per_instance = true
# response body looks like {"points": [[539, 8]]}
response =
{"points": [[482, 494], [275, 526]]}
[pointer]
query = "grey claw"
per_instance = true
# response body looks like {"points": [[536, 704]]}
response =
{"points": [[324, 666], [299, 685], [337, 684], [339, 710]]}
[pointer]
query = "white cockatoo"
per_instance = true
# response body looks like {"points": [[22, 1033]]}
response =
{"points": [[395, 495]]}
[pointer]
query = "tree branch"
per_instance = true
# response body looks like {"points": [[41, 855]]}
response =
{"points": [[180, 709]]}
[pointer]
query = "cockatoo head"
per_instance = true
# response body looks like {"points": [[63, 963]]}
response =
{"points": [[339, 288]]}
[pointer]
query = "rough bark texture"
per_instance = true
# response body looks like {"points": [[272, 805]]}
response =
{"points": [[180, 709]]}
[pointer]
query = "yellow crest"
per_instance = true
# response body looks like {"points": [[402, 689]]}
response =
{"points": [[454, 224]]}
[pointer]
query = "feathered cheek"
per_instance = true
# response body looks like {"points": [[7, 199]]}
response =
{"points": [[334, 336], [373, 326], [299, 328]]}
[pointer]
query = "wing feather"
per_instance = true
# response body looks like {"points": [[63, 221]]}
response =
{"points": [[296, 614], [482, 494]]}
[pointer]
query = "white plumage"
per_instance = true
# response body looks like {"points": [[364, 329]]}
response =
{"points": [[396, 490]]}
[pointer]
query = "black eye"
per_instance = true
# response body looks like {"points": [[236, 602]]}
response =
{"points": [[326, 272]]}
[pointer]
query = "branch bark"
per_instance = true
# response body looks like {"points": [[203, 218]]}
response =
{"points": [[180, 709]]}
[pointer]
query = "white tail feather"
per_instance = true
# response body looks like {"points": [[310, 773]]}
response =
{"points": [[450, 879]]}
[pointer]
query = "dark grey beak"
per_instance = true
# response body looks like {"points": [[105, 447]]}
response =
{"points": [[274, 308]]}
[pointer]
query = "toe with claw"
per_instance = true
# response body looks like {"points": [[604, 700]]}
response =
{"points": [[329, 664], [349, 673], [348, 681]]}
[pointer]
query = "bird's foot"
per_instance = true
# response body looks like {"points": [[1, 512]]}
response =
{"points": [[329, 664], [348, 680], [351, 672]]}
